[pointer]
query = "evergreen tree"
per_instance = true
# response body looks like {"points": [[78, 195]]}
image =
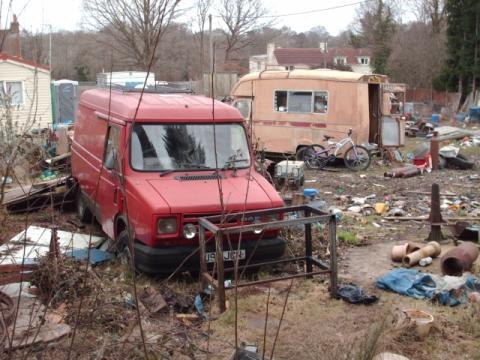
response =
{"points": [[462, 69], [376, 30]]}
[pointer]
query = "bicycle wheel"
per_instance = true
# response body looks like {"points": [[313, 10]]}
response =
{"points": [[315, 157], [357, 158]]}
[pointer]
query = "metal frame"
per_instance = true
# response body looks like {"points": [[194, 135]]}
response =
{"points": [[310, 215]]}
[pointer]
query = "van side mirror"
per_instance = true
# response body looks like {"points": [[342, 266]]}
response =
{"points": [[111, 160]]}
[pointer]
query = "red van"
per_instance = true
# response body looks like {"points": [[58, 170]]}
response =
{"points": [[168, 168]]}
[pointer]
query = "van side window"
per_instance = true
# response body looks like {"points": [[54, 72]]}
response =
{"points": [[280, 101], [320, 104], [244, 107], [110, 159], [300, 101]]}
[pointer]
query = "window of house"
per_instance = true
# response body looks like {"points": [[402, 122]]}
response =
{"points": [[301, 102], [363, 60], [12, 92], [280, 101], [340, 60]]}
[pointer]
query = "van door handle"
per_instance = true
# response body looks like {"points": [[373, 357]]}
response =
{"points": [[115, 195]]}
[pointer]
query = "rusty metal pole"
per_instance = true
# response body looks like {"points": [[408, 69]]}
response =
{"points": [[434, 152], [308, 244], [203, 259], [332, 237], [435, 218], [54, 249], [220, 272]]}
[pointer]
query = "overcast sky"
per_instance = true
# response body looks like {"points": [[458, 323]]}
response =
{"points": [[67, 14]]}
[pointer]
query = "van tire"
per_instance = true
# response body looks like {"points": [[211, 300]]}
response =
{"points": [[83, 211], [123, 249]]}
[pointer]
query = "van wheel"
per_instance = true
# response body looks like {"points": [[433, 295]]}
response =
{"points": [[124, 251], [83, 211]]}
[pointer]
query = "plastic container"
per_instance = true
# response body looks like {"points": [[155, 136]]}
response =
{"points": [[474, 113], [423, 321], [460, 116], [419, 161], [436, 118], [310, 192], [425, 261]]}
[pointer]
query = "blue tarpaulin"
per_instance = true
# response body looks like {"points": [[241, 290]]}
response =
{"points": [[408, 282], [96, 256], [419, 285]]}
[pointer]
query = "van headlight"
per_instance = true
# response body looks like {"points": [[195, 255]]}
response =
{"points": [[189, 231], [167, 226]]}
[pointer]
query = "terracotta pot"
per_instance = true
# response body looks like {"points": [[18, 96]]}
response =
{"points": [[400, 251], [458, 260], [432, 249]]}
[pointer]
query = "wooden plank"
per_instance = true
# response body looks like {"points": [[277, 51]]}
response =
{"points": [[423, 218]]}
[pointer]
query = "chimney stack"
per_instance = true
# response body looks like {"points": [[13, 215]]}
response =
{"points": [[14, 25], [270, 53]]}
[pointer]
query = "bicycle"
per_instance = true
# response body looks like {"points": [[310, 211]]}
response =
{"points": [[356, 158]]}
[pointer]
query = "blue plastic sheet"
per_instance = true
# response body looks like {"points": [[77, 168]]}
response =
{"points": [[96, 256], [408, 282], [419, 285]]}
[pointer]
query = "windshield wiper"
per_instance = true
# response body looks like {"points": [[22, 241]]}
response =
{"points": [[188, 166], [230, 163], [166, 172]]}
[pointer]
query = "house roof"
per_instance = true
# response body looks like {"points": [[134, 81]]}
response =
{"points": [[20, 60], [314, 57]]}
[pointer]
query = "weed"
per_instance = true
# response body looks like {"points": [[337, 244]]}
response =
{"points": [[348, 238]]}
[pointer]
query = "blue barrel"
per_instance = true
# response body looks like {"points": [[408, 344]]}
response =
{"points": [[310, 192], [435, 118], [474, 113]]}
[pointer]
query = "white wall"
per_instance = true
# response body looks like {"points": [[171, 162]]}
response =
{"points": [[36, 93]]}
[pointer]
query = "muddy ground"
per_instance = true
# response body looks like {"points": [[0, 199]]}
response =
{"points": [[314, 326]]}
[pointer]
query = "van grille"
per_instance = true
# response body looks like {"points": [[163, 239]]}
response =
{"points": [[199, 177]]}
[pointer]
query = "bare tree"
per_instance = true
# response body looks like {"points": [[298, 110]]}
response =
{"points": [[426, 55], [133, 25], [430, 11], [203, 6], [240, 17]]}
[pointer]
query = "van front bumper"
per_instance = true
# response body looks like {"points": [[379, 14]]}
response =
{"points": [[167, 259]]}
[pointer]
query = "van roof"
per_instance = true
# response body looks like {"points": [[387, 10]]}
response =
{"points": [[308, 74], [155, 107], [321, 74]]}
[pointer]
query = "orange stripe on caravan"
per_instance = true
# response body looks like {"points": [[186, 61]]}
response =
{"points": [[290, 123]]}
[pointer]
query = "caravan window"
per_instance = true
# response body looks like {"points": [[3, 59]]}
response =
{"points": [[320, 103], [301, 102], [280, 101]]}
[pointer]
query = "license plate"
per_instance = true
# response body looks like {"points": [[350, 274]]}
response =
{"points": [[229, 255]]}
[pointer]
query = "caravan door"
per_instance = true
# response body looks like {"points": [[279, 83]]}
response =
{"points": [[392, 124]]}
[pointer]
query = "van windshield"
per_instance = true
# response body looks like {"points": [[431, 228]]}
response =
{"points": [[159, 147]]}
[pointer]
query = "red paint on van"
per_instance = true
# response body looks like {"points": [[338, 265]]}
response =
{"points": [[165, 163]]}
